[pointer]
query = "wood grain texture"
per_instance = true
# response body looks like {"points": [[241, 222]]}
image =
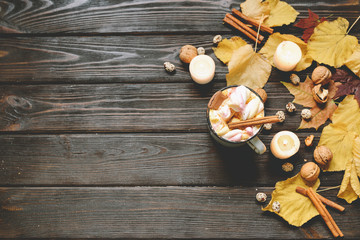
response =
{"points": [[155, 212], [142, 160], [85, 16], [161, 107]]}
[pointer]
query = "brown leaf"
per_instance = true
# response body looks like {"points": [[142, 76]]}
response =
{"points": [[303, 96], [350, 84], [309, 24]]}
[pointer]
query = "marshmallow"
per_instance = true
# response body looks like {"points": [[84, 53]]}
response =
{"points": [[238, 98], [252, 108], [234, 135]]}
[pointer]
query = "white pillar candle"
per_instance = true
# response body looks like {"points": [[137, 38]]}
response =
{"points": [[202, 69], [287, 55]]}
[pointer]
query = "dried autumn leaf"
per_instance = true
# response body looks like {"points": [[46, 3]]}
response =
{"points": [[281, 13], [248, 68], [295, 208], [226, 48], [255, 9], [353, 62], [303, 96], [268, 50], [309, 24], [356, 155], [330, 44], [350, 84]]}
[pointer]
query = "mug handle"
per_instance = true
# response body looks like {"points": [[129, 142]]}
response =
{"points": [[257, 145]]}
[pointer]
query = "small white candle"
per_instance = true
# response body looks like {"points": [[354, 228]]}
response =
{"points": [[202, 69], [287, 55]]}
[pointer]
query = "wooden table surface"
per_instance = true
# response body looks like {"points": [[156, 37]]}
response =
{"points": [[98, 141]]}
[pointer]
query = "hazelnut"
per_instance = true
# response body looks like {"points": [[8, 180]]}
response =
{"points": [[322, 155], [169, 67], [320, 94], [261, 93], [287, 167], [294, 79], [306, 114], [280, 115], [201, 50], [310, 172], [217, 39], [267, 126], [309, 140], [276, 206], [261, 197], [321, 75], [187, 53], [290, 107]]}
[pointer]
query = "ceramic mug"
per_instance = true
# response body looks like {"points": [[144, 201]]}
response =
{"points": [[254, 142]]}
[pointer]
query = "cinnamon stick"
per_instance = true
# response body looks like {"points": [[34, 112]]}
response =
{"points": [[324, 213], [254, 121], [322, 199], [244, 26], [234, 25], [252, 21]]}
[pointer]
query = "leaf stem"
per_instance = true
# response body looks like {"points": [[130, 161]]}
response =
{"points": [[258, 31], [353, 25], [326, 189]]}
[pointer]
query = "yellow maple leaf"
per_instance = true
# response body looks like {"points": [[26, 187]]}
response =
{"points": [[256, 9], [353, 62], [356, 154], [350, 185], [268, 50], [281, 13], [295, 208], [330, 44], [248, 68], [226, 48]]}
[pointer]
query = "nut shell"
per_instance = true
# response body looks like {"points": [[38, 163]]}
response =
{"points": [[321, 75], [310, 172], [322, 155], [261, 93], [320, 94], [294, 79], [187, 53], [309, 140]]}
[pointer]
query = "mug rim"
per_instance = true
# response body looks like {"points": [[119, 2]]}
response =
{"points": [[223, 139]]}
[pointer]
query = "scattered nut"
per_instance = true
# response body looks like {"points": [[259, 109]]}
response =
{"points": [[267, 126], [217, 39], [201, 50], [261, 197], [310, 172], [294, 79], [309, 140], [261, 93], [287, 167], [306, 114], [321, 75], [276, 206], [322, 155], [281, 115], [169, 67], [187, 53], [320, 94], [290, 107]]}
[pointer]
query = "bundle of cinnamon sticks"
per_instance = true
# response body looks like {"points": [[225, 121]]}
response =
{"points": [[233, 21]]}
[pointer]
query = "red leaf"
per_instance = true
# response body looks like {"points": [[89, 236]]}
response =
{"points": [[309, 24], [350, 84]]}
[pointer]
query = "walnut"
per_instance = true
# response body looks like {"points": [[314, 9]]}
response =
{"points": [[321, 75], [320, 94], [294, 79], [322, 155], [169, 67], [287, 167], [306, 114], [290, 107], [309, 140], [187, 53], [310, 172], [261, 93], [261, 197], [280, 115], [217, 39], [267, 126], [201, 50]]}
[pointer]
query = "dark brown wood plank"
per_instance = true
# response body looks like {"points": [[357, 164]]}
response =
{"points": [[142, 159], [155, 212], [111, 16], [120, 107]]}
